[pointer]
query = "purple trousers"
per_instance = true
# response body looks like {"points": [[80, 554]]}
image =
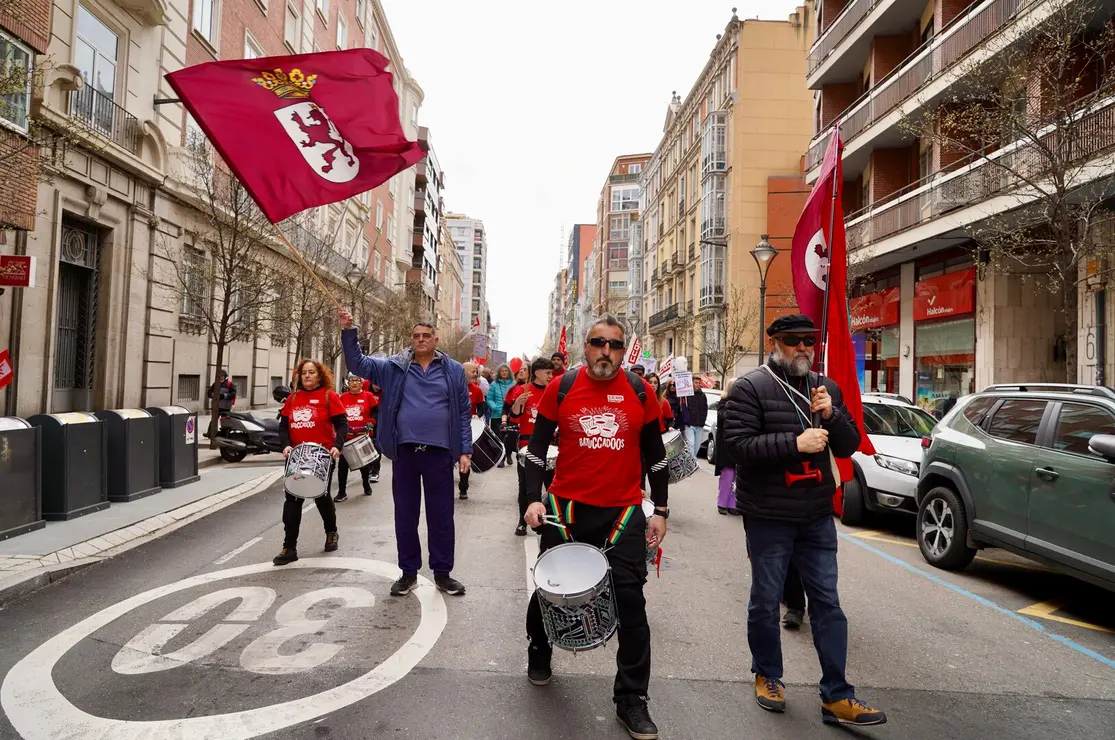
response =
{"points": [[727, 497], [416, 469]]}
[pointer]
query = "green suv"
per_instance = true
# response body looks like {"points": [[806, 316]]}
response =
{"points": [[1028, 468]]}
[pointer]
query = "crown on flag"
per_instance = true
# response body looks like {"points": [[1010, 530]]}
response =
{"points": [[294, 85]]}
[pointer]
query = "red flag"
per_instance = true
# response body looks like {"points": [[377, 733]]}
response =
{"points": [[561, 343], [304, 130], [476, 322], [814, 266], [6, 371]]}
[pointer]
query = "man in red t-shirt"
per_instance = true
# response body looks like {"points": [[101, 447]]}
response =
{"points": [[479, 404], [359, 406], [608, 425], [558, 360], [524, 412]]}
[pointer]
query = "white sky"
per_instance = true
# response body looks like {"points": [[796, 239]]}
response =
{"points": [[528, 103]]}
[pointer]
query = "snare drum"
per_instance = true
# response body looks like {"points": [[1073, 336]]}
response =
{"points": [[551, 458], [679, 462], [307, 471], [487, 447], [359, 452], [673, 442], [574, 587]]}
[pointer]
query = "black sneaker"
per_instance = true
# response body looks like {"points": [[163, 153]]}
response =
{"points": [[449, 585], [332, 540], [636, 720], [521, 530], [404, 585], [463, 496], [367, 491], [342, 496], [539, 672], [288, 555], [374, 477], [793, 619]]}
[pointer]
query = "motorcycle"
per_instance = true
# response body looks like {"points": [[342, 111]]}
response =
{"points": [[248, 433]]}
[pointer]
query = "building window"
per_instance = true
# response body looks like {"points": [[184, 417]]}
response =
{"points": [[193, 282], [391, 228], [625, 199], [276, 381], [379, 216], [378, 264], [292, 28], [634, 169], [619, 227], [189, 388], [194, 136], [206, 19], [944, 363], [95, 54], [342, 32], [15, 68], [323, 10], [360, 6], [373, 42], [241, 383], [252, 49]]}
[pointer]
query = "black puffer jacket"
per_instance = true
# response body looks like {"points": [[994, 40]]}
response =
{"points": [[761, 429]]}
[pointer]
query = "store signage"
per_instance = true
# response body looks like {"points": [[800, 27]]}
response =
{"points": [[6, 371], [953, 294], [876, 309], [16, 271]]}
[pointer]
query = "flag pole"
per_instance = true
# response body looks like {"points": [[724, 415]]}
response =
{"points": [[836, 175], [308, 269]]}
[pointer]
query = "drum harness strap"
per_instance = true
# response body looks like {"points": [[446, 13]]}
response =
{"points": [[618, 528]]}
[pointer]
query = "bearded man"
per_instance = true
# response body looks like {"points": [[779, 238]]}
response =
{"points": [[782, 425]]}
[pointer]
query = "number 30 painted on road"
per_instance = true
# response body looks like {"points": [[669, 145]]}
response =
{"points": [[142, 654]]}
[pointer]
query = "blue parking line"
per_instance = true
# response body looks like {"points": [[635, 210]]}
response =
{"points": [[986, 602]]}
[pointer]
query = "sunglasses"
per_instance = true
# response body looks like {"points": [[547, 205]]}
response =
{"points": [[795, 341], [612, 344]]}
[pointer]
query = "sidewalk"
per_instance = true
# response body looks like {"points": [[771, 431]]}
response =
{"points": [[35, 559]]}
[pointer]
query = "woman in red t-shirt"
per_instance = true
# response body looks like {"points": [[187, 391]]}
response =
{"points": [[312, 413], [359, 406], [660, 391]]}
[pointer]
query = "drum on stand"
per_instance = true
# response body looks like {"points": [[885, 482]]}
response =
{"points": [[359, 452], [307, 471], [574, 586], [487, 448]]}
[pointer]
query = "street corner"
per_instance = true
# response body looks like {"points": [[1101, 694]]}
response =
{"points": [[254, 649]]}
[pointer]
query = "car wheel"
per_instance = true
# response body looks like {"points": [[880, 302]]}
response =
{"points": [[710, 452], [855, 512], [942, 530], [233, 456]]}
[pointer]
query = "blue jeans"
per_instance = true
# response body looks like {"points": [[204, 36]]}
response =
{"points": [[772, 545], [693, 437]]}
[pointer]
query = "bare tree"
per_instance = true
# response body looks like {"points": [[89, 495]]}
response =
{"points": [[1029, 122], [729, 336], [227, 278]]}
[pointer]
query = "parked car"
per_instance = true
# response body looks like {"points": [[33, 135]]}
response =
{"points": [[887, 480], [707, 447], [1028, 468]]}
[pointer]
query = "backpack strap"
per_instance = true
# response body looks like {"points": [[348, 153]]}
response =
{"points": [[568, 379], [637, 385], [566, 383]]}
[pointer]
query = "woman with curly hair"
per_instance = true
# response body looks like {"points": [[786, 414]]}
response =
{"points": [[312, 413]]}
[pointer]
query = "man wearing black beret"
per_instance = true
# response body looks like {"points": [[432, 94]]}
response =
{"points": [[782, 426]]}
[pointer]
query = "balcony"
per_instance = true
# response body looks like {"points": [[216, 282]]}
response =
{"points": [[918, 77], [714, 144], [676, 265], [617, 264], [654, 275], [692, 251], [97, 111], [842, 49], [623, 178], [941, 204], [625, 205], [712, 297], [663, 317]]}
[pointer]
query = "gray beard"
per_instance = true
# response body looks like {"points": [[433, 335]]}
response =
{"points": [[797, 368], [602, 372]]}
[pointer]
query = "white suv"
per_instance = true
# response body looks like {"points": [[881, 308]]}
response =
{"points": [[888, 480]]}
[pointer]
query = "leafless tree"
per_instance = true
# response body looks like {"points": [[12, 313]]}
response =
{"points": [[732, 334], [1028, 123]]}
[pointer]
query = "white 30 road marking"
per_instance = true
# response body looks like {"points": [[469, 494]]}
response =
{"points": [[38, 710]]}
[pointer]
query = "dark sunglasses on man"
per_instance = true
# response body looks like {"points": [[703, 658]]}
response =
{"points": [[601, 342], [795, 341]]}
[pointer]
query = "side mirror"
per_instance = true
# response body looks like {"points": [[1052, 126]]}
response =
{"points": [[280, 393], [1103, 445]]}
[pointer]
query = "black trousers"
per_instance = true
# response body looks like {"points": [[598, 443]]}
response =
{"points": [[292, 516], [462, 484], [793, 592], [342, 474], [524, 499], [593, 525]]}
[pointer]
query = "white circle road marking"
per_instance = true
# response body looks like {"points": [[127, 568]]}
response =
{"points": [[39, 711]]}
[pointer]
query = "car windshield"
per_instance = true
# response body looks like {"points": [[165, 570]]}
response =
{"points": [[896, 421]]}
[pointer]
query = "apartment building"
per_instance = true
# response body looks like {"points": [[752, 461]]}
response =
{"points": [[100, 328], [931, 320], [450, 282], [429, 212], [577, 306], [705, 191], [556, 310], [471, 239], [616, 209]]}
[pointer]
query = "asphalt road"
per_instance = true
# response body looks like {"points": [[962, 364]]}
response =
{"points": [[196, 635]]}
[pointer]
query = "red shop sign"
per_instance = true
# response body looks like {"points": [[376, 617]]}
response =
{"points": [[16, 271], [876, 309], [953, 294]]}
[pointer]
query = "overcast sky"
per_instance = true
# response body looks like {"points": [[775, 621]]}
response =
{"points": [[528, 103]]}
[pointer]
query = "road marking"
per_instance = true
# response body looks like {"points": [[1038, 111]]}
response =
{"points": [[307, 506], [230, 555], [858, 542], [1046, 609], [530, 550], [38, 710], [877, 536]]}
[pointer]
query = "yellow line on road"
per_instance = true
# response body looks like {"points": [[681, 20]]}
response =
{"points": [[1046, 609], [879, 536]]}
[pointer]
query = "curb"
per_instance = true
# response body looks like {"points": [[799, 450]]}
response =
{"points": [[82, 555]]}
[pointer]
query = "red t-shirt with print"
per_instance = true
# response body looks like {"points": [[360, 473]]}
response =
{"points": [[599, 427], [667, 412], [358, 409], [529, 414], [310, 416], [476, 398]]}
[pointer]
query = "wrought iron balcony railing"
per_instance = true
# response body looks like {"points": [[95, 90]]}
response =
{"points": [[97, 111]]}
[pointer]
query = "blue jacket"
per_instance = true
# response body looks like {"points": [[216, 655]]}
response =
{"points": [[496, 394], [389, 375]]}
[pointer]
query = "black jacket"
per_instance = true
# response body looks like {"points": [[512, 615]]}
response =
{"points": [[698, 409], [723, 456], [761, 429]]}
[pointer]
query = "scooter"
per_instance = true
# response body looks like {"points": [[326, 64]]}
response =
{"points": [[242, 434]]}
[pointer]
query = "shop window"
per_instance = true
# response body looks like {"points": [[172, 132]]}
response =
{"points": [[1079, 423], [1018, 420], [944, 363]]}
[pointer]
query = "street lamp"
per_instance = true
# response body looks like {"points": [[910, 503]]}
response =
{"points": [[764, 253]]}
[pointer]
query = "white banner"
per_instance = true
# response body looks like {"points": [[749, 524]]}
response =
{"points": [[667, 368], [683, 384], [649, 363], [633, 352]]}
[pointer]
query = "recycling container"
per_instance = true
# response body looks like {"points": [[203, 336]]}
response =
{"points": [[21, 496], [133, 453], [73, 464], [177, 445]]}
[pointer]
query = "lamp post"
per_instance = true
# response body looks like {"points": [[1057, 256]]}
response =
{"points": [[764, 254]]}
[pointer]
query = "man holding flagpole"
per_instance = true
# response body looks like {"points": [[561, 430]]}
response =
{"points": [[791, 431]]}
